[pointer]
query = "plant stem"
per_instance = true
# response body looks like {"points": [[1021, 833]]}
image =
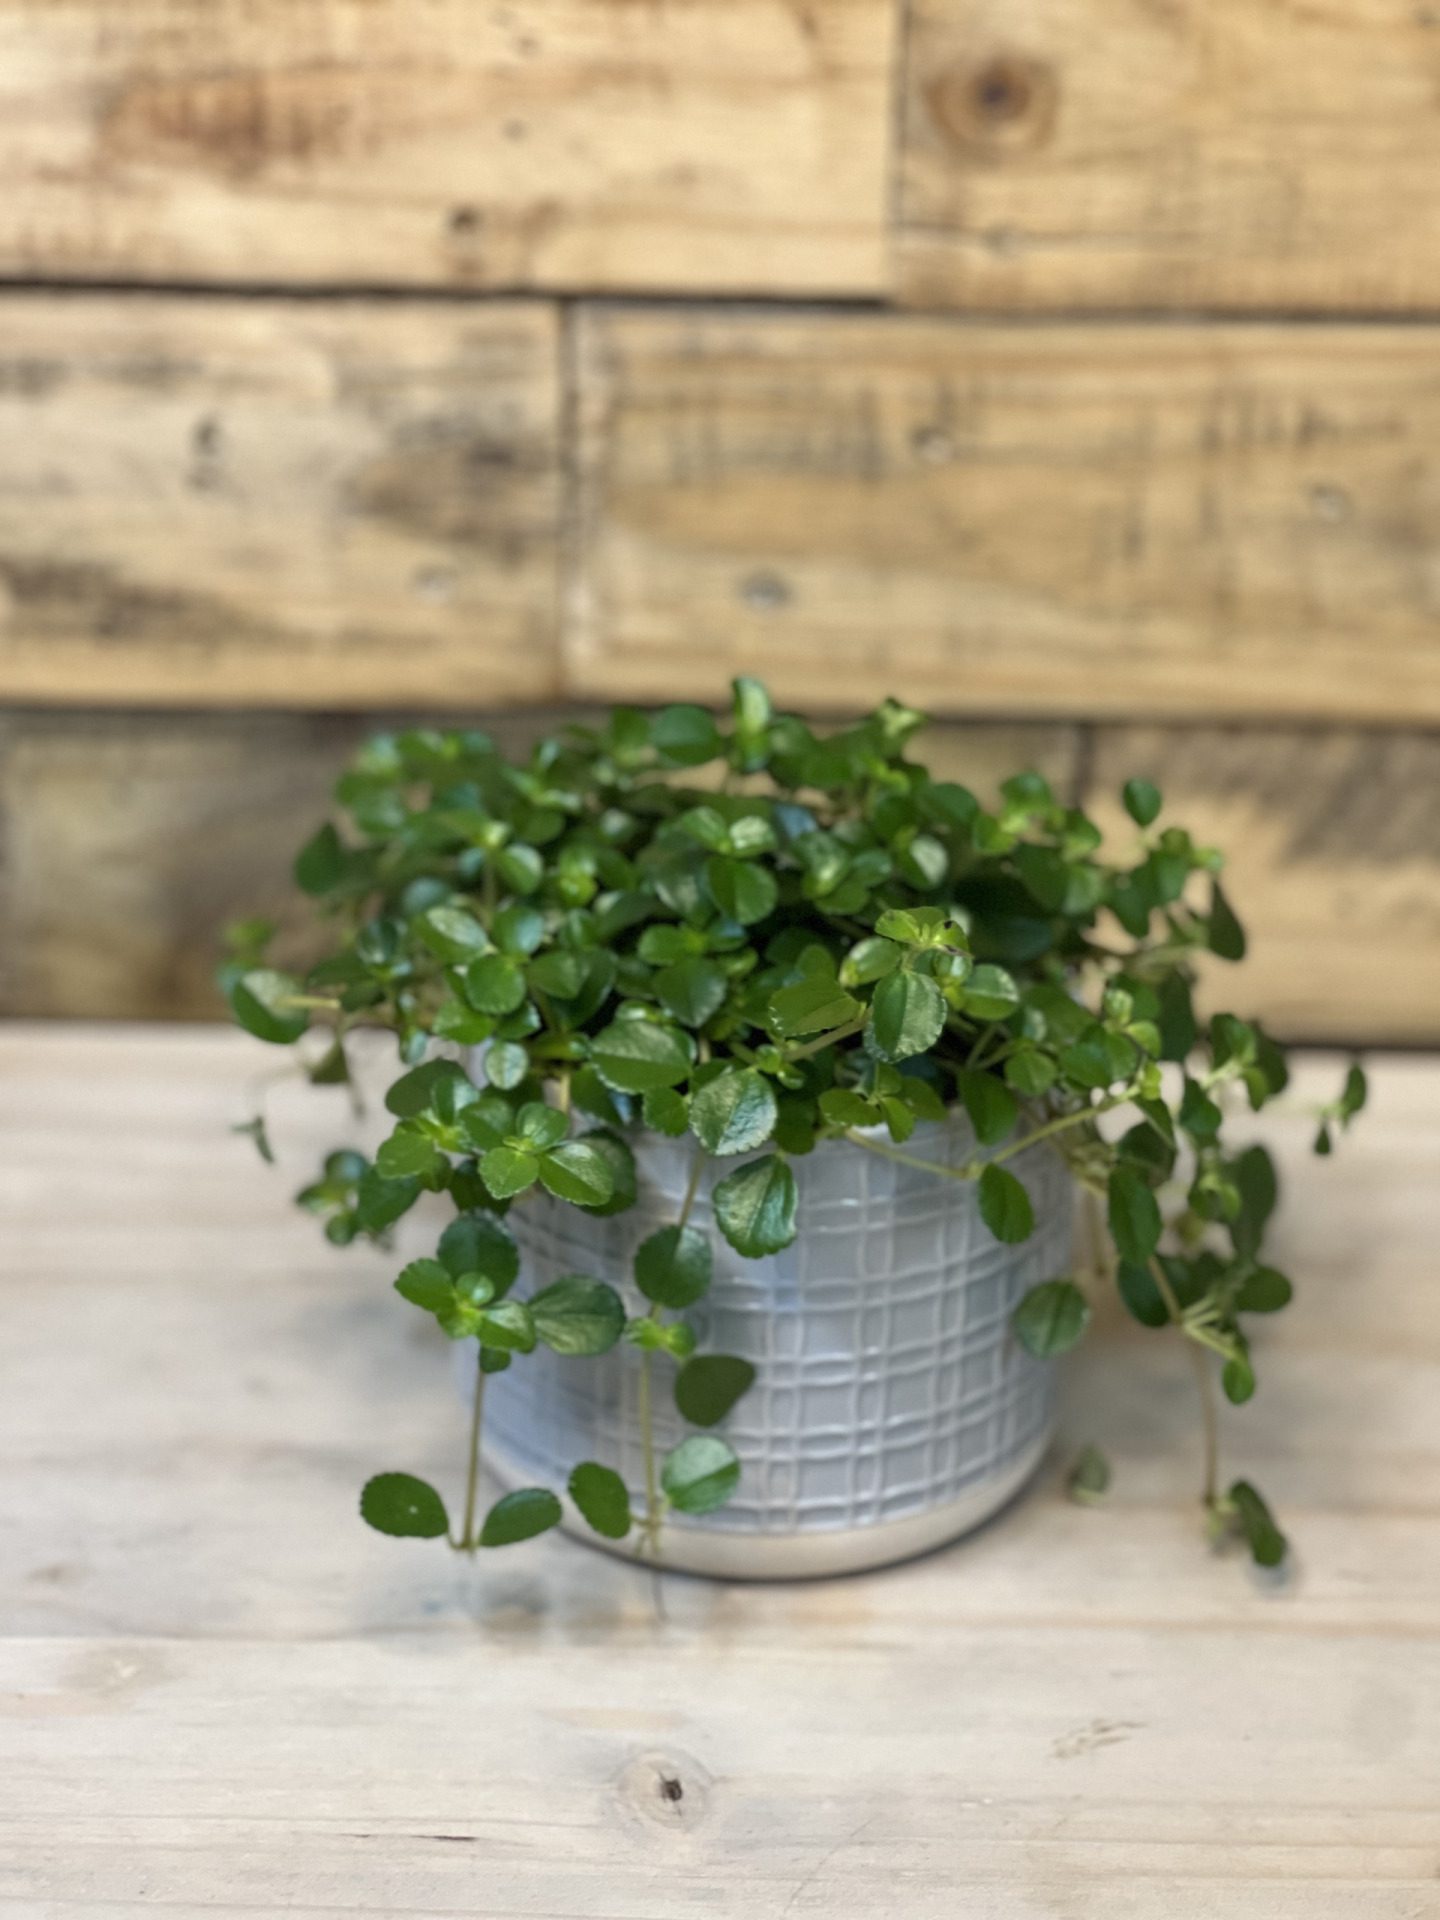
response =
{"points": [[909, 1159], [468, 1542], [824, 1040], [1204, 1380], [647, 1403], [651, 1529], [1058, 1125]]}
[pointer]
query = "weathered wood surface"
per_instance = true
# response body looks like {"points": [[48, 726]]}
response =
{"points": [[131, 839], [1332, 843], [1060, 519], [216, 1689], [716, 145], [1198, 153], [277, 502]]}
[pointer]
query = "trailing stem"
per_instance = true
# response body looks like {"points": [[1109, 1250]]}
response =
{"points": [[654, 1511], [467, 1543]]}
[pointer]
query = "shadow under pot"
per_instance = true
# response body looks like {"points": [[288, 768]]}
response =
{"points": [[892, 1409]]}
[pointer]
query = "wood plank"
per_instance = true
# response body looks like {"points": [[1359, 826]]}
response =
{"points": [[277, 502], [217, 1689], [1239, 154], [1061, 519], [1332, 843], [725, 145], [130, 839]]}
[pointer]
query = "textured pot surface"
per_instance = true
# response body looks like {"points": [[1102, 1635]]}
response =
{"points": [[892, 1408]]}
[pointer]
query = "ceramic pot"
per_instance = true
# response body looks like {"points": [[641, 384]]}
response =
{"points": [[892, 1409]]}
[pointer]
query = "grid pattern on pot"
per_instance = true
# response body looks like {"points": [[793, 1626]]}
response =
{"points": [[888, 1380]]}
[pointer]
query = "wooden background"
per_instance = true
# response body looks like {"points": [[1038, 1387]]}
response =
{"points": [[1068, 367]]}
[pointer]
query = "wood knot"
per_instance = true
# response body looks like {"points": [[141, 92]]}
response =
{"points": [[1001, 105], [665, 1790]]}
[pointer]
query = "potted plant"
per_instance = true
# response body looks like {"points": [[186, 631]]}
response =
{"points": [[777, 1063]]}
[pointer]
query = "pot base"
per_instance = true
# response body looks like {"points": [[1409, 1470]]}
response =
{"points": [[724, 1554]]}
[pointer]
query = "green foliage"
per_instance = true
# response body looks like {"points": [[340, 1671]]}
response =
{"points": [[847, 948]]}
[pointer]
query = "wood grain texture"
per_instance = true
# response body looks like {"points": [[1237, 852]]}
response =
{"points": [[1063, 519], [277, 502], [724, 145], [1238, 154], [129, 840], [1332, 844], [219, 1690]]}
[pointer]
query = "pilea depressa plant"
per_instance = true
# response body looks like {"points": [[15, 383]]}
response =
{"points": [[762, 939]]}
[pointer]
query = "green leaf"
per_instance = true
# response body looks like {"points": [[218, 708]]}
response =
{"points": [[990, 1104], [507, 1172], [666, 1111], [601, 1497], [1051, 1318], [990, 993], [401, 1505], [1142, 801], [907, 1015], [577, 1316], [418, 1091], [539, 1126], [1134, 1214], [477, 1243], [700, 1474], [620, 1162], [451, 933], [506, 1064], [755, 1207], [1264, 1291], [741, 890], [636, 1056], [1254, 1175], [558, 973], [519, 929], [425, 1283], [1142, 1297], [1005, 1206], [707, 1387], [1354, 1094], [520, 1516], [577, 1173], [813, 1006], [320, 863], [408, 1153], [509, 1326], [843, 1107], [1227, 936], [1199, 1115], [494, 984], [379, 1202], [520, 867], [1237, 1377], [691, 990], [734, 1112], [685, 736], [1089, 1479], [673, 1266], [261, 1002], [1267, 1543]]}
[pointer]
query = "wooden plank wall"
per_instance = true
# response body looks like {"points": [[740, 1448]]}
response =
{"points": [[1069, 367]]}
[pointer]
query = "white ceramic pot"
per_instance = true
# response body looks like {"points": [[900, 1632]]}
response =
{"points": [[892, 1409]]}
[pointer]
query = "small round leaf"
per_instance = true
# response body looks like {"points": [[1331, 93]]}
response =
{"points": [[707, 1387], [520, 1516], [673, 1266], [600, 1494], [399, 1504], [700, 1474]]}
